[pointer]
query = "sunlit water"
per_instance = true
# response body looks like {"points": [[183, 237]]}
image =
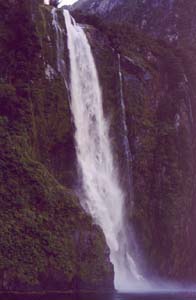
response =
{"points": [[104, 296]]}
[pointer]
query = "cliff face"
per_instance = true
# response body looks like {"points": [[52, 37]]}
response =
{"points": [[47, 240], [158, 66], [160, 116]]}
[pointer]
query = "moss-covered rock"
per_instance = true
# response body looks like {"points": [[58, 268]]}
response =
{"points": [[47, 240]]}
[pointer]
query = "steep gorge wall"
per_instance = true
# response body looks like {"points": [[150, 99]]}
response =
{"points": [[39, 176], [47, 240], [159, 92]]}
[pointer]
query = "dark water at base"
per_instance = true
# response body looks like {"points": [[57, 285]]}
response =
{"points": [[102, 296]]}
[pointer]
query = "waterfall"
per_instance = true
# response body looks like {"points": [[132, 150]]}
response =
{"points": [[102, 196], [60, 45], [188, 97], [128, 154]]}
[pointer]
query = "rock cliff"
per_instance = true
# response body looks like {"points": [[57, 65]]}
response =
{"points": [[157, 46], [47, 240]]}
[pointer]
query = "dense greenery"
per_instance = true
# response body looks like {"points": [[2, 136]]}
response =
{"points": [[47, 241]]}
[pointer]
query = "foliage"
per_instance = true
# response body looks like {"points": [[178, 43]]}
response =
{"points": [[45, 234]]}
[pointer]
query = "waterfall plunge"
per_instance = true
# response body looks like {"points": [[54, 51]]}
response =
{"points": [[103, 197]]}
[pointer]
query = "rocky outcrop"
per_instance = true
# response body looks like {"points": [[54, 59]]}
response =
{"points": [[103, 7], [171, 20]]}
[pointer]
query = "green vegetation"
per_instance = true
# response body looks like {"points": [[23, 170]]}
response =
{"points": [[47, 240]]}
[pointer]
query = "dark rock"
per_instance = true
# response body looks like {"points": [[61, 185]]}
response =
{"points": [[54, 2]]}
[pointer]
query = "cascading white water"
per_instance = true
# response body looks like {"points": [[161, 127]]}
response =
{"points": [[103, 197], [128, 154]]}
